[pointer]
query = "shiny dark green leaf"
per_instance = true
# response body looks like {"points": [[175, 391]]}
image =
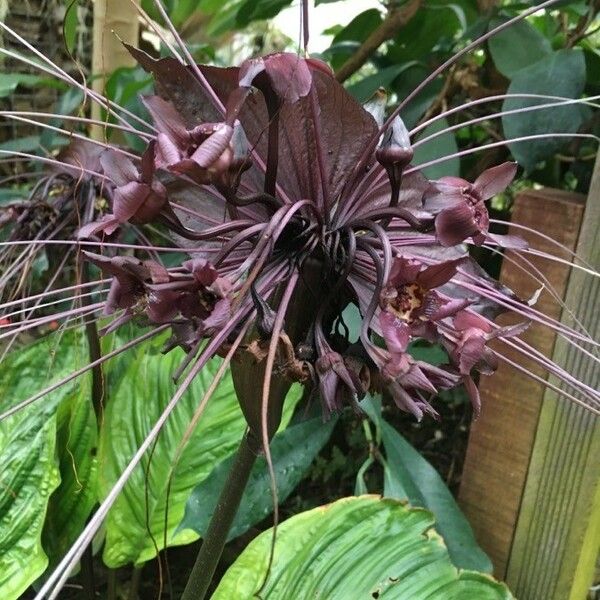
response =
{"points": [[562, 73], [292, 451]]}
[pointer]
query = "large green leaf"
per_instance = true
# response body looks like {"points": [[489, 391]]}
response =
{"points": [[28, 469], [135, 527], [410, 475], [360, 547], [292, 451], [254, 10], [366, 87], [517, 47], [561, 73], [72, 502]]}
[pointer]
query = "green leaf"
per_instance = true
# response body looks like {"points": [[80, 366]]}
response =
{"points": [[561, 73], [70, 22], [432, 28], [10, 81], [359, 29], [27, 143], [359, 547], [425, 488], [28, 470], [363, 89], [434, 354], [404, 85], [292, 451], [72, 502], [255, 10], [66, 104], [438, 147], [135, 526], [348, 39], [517, 47], [183, 10]]}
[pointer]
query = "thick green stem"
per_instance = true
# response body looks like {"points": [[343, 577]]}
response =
{"points": [[134, 584], [220, 524], [87, 574]]}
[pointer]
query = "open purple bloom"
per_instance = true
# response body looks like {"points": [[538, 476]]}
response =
{"points": [[410, 304], [146, 287], [460, 205], [468, 349]]}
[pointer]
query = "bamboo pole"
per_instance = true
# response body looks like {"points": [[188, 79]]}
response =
{"points": [[112, 18]]}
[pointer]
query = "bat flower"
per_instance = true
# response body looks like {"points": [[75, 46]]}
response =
{"points": [[460, 207], [468, 348], [407, 379], [138, 196], [147, 287], [337, 387], [309, 224], [410, 304], [204, 153]]}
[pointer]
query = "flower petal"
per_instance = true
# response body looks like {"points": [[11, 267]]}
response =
{"points": [[467, 320], [404, 270], [456, 224], [211, 149], [495, 180], [166, 119], [395, 332], [440, 195], [473, 393], [119, 168], [290, 76], [166, 152], [128, 199], [437, 275], [107, 224]]}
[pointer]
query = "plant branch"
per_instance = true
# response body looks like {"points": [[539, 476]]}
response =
{"points": [[220, 523], [397, 17]]}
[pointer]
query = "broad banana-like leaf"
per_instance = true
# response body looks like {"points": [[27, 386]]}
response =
{"points": [[145, 516], [292, 452], [358, 547], [28, 465], [72, 502]]}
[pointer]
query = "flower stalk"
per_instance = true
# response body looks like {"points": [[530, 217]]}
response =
{"points": [[221, 521]]}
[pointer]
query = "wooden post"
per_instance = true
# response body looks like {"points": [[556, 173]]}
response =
{"points": [[501, 441], [530, 480], [557, 537], [112, 18]]}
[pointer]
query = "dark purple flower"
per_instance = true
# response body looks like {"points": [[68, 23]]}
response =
{"points": [[295, 204], [203, 153], [410, 303], [146, 287], [138, 196], [468, 349], [460, 205]]}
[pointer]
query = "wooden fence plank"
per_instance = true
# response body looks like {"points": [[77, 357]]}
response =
{"points": [[501, 441], [557, 537]]}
